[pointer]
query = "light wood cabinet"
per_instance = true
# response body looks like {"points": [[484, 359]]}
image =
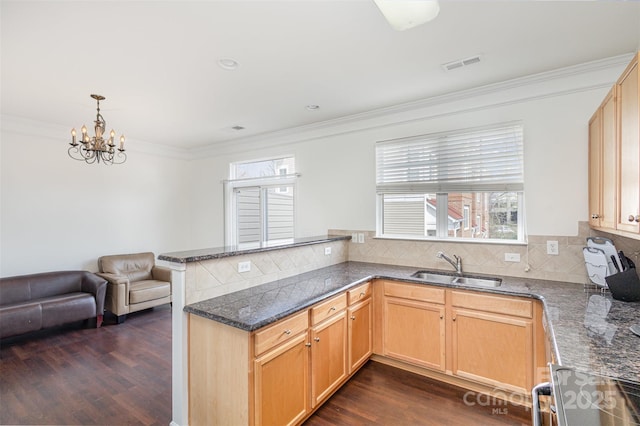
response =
{"points": [[493, 349], [360, 333], [492, 340], [603, 164], [414, 326], [328, 356], [281, 373], [614, 158], [282, 383], [629, 153]]}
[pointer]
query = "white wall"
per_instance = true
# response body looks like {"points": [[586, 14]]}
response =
{"points": [[57, 213], [337, 160]]}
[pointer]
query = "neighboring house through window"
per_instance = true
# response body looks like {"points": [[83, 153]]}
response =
{"points": [[260, 202]]}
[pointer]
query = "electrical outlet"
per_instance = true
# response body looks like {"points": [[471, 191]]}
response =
{"points": [[512, 257], [354, 238], [552, 247], [361, 238], [244, 266], [327, 251]]}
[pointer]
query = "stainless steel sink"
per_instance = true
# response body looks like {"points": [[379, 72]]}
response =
{"points": [[483, 282], [443, 278]]}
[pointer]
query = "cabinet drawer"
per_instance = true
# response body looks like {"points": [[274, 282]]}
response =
{"points": [[281, 331], [490, 303], [328, 308], [414, 292], [359, 293]]}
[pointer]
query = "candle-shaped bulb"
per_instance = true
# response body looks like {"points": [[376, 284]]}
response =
{"points": [[73, 136], [84, 129], [112, 133], [122, 143]]}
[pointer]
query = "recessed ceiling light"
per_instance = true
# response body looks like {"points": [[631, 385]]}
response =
{"points": [[312, 107], [228, 64]]}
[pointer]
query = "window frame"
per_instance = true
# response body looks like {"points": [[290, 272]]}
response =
{"points": [[416, 187], [276, 182]]}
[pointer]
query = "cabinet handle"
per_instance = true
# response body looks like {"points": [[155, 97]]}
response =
{"points": [[442, 317], [353, 317], [316, 339], [361, 294], [308, 344], [595, 216], [454, 318], [333, 308], [631, 218], [287, 332], [638, 218]]}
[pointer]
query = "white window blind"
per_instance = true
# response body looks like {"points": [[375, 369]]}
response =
{"points": [[472, 160]]}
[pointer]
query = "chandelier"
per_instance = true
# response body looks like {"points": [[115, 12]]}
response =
{"points": [[96, 148]]}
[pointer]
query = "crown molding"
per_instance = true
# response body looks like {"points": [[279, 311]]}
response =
{"points": [[563, 81]]}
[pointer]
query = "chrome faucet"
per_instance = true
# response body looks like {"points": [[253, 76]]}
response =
{"points": [[457, 264]]}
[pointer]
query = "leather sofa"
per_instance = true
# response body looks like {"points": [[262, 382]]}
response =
{"points": [[134, 283], [33, 302]]}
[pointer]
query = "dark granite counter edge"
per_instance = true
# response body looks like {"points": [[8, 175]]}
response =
{"points": [[221, 252], [280, 315], [364, 272]]}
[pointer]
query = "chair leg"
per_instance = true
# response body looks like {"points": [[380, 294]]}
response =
{"points": [[120, 318], [99, 320]]}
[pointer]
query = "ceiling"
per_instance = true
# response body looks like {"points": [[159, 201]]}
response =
{"points": [[156, 62]]}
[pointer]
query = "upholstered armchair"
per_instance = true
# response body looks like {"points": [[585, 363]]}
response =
{"points": [[134, 283]]}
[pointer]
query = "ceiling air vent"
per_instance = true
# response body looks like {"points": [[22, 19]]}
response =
{"points": [[237, 128], [460, 63]]}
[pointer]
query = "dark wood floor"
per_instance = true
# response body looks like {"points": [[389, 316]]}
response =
{"points": [[121, 375], [114, 375], [382, 395]]}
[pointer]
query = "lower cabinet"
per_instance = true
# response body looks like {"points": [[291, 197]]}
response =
{"points": [[492, 340], [328, 356], [414, 326], [279, 374], [359, 319], [282, 383], [414, 332], [493, 349]]}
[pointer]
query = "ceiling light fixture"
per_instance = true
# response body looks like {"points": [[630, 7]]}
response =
{"points": [[96, 148], [405, 14], [228, 64], [313, 107]]}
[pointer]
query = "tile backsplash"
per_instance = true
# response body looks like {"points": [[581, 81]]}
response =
{"points": [[215, 277], [566, 266]]}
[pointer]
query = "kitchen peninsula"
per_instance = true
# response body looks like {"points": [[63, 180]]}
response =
{"points": [[586, 329]]}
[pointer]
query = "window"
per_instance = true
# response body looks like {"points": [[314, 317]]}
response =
{"points": [[466, 184], [259, 202]]}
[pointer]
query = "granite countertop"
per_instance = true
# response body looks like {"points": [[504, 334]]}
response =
{"points": [[589, 328], [248, 248]]}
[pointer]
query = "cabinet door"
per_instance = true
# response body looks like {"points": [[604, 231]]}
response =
{"points": [[282, 383], [493, 349], [360, 334], [629, 152], [328, 356], [414, 332], [603, 165], [608, 171], [595, 163]]}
